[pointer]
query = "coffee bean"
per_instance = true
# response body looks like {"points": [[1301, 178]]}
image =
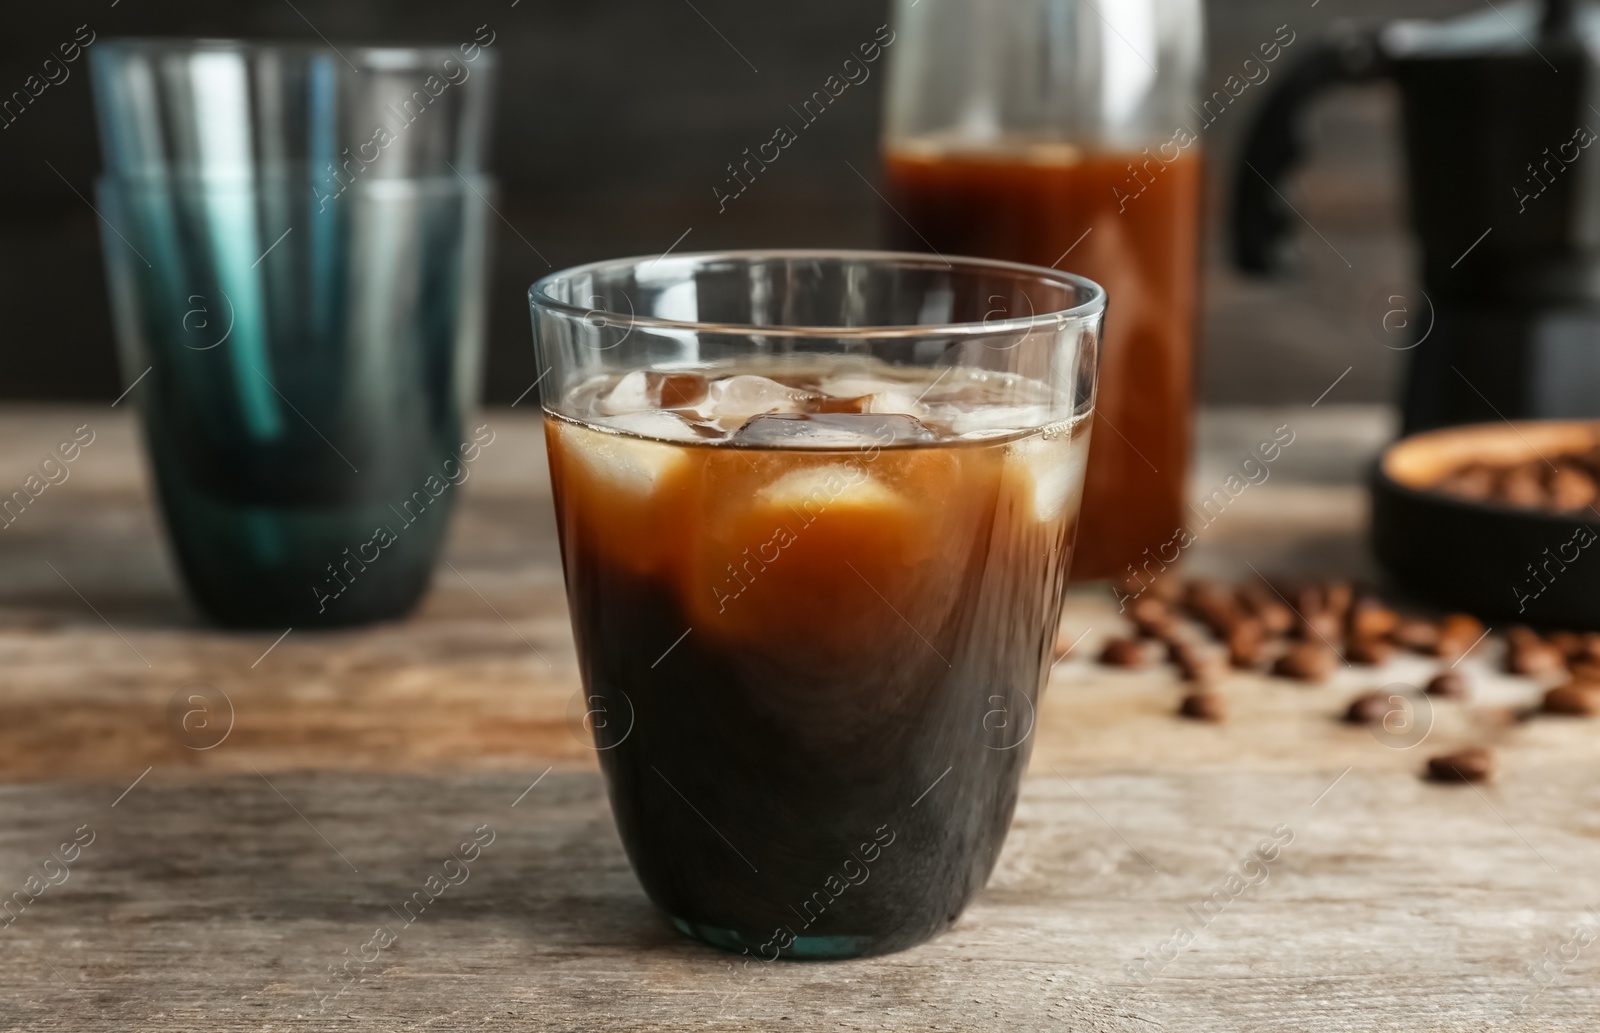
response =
{"points": [[1448, 684], [1521, 634], [1533, 657], [1168, 588], [1219, 618], [1475, 481], [1370, 708], [1569, 642], [1458, 633], [1152, 617], [1202, 706], [1199, 663], [1521, 486], [1368, 649], [1198, 595], [1321, 626], [1262, 603], [1306, 661], [1571, 485], [1277, 618], [1122, 652], [1417, 635], [1571, 489], [1577, 699], [1337, 597], [1247, 642], [1370, 619], [1129, 585], [1064, 643], [1471, 764]]}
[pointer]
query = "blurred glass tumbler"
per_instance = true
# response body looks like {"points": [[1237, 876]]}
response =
{"points": [[295, 242], [816, 514]]}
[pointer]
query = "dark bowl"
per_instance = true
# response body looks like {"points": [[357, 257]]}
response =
{"points": [[1502, 563]]}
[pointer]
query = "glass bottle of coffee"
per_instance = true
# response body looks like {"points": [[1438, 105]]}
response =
{"points": [[1061, 133]]}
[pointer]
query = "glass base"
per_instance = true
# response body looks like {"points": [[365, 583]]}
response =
{"points": [[807, 948]]}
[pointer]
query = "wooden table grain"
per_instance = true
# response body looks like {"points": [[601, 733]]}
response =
{"points": [[1281, 871]]}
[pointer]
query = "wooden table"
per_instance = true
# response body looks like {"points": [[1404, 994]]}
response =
{"points": [[218, 887]]}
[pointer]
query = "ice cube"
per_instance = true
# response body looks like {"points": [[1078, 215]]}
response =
{"points": [[852, 385], [681, 390], [812, 489], [831, 430], [633, 393], [643, 390], [732, 400], [636, 465], [1054, 465], [988, 421], [654, 423], [896, 402]]}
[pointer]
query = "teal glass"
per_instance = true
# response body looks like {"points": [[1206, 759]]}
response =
{"points": [[299, 311]]}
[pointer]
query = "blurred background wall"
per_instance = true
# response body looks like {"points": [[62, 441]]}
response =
{"points": [[615, 120]]}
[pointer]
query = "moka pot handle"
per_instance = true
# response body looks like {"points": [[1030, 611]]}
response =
{"points": [[1274, 145]]}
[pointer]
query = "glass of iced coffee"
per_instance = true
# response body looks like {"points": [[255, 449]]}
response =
{"points": [[816, 514]]}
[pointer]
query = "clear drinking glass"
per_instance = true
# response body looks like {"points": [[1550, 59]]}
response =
{"points": [[816, 513], [1069, 133], [296, 245]]}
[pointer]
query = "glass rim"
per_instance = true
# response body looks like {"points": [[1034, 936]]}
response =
{"points": [[539, 295], [389, 56], [160, 179]]}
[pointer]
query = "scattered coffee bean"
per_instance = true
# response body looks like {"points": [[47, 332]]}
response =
{"points": [[1122, 652], [1471, 764], [1569, 642], [1247, 642], [1168, 589], [1370, 708], [1219, 619], [1370, 619], [1199, 664], [1577, 699], [1337, 597], [1202, 706], [1198, 595], [1417, 635], [1533, 656], [1368, 649], [1308, 599], [1319, 626], [1152, 617], [1263, 603], [1458, 633], [1521, 634], [1251, 621], [1063, 646], [1306, 661]]}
